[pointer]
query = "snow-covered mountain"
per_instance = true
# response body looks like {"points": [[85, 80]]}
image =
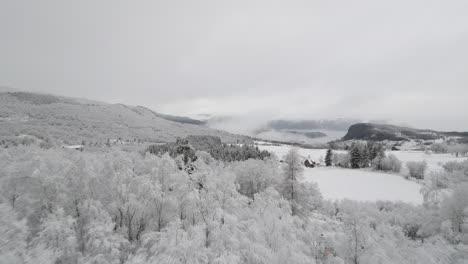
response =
{"points": [[379, 132], [71, 121]]}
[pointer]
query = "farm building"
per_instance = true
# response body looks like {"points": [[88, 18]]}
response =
{"points": [[310, 163]]}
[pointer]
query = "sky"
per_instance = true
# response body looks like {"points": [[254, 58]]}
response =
{"points": [[404, 61]]}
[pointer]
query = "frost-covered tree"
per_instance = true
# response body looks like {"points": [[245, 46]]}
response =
{"points": [[454, 206], [355, 230], [303, 197], [464, 227], [97, 240], [307, 199], [341, 160], [59, 236], [254, 176], [13, 234], [355, 156], [386, 163], [211, 145], [365, 158], [417, 169], [391, 163], [114, 206], [378, 161], [361, 154], [328, 157], [292, 172], [375, 149]]}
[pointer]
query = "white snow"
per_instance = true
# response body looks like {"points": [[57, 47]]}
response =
{"points": [[280, 151], [362, 185], [365, 185], [434, 161]]}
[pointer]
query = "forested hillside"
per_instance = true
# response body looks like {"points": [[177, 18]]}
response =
{"points": [[51, 119]]}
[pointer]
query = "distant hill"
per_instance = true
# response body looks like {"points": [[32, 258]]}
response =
{"points": [[181, 119], [309, 134], [380, 132], [334, 124], [71, 121]]}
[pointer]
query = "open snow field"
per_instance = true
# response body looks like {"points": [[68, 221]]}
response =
{"points": [[366, 185], [434, 161], [280, 151], [362, 185]]}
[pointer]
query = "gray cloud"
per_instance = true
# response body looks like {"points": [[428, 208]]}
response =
{"points": [[404, 61]]}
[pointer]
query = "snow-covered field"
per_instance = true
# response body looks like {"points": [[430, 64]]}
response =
{"points": [[362, 185], [434, 161], [366, 185], [280, 151]]}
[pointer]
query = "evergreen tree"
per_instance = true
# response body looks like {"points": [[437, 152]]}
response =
{"points": [[328, 157], [372, 149], [376, 149], [355, 156], [185, 149], [364, 153]]}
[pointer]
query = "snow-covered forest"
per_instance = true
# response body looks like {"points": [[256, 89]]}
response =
{"points": [[233, 132], [115, 206]]}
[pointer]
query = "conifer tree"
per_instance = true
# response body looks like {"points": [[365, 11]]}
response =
{"points": [[328, 157], [355, 156], [364, 153]]}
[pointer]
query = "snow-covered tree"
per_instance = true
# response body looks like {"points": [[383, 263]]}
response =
{"points": [[391, 163], [341, 160], [292, 173], [115, 206], [254, 176], [464, 227], [355, 230], [417, 169], [13, 234], [328, 157], [355, 156], [59, 236], [453, 207]]}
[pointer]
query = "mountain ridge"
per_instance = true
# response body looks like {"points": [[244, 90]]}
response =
{"points": [[73, 120], [380, 132]]}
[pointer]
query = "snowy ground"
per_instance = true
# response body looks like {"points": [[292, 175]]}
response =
{"points": [[362, 185], [280, 151], [365, 185], [434, 161]]}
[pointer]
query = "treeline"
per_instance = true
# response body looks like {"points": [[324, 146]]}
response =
{"points": [[365, 154], [368, 154], [186, 147], [454, 149]]}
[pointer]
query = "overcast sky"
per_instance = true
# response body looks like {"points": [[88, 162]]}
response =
{"points": [[405, 61]]}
